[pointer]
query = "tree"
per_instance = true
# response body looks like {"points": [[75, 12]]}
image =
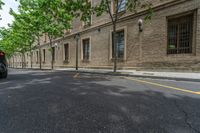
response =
{"points": [[1, 3], [35, 18], [20, 39], [84, 10], [17, 38], [5, 42], [54, 19], [23, 24], [30, 14], [11, 42]]}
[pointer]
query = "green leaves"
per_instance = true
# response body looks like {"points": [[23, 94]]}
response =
{"points": [[52, 17], [35, 18], [1, 3]]}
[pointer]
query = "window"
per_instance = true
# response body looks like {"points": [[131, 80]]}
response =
{"points": [[44, 55], [180, 34], [66, 52], [120, 45], [121, 6], [86, 49], [53, 54]]}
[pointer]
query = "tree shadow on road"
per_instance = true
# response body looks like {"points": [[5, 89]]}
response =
{"points": [[57, 102]]}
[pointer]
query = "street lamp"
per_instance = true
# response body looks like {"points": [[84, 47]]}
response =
{"points": [[77, 37], [55, 44], [140, 24]]}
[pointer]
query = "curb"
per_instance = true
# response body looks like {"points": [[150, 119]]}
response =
{"points": [[119, 74], [26, 69], [133, 75]]}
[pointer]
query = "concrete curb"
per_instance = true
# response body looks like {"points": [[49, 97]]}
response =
{"points": [[119, 74], [37, 69], [137, 76]]}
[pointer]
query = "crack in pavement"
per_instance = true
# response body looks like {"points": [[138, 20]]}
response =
{"points": [[186, 117]]}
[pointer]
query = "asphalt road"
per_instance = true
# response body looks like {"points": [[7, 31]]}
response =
{"points": [[66, 102]]}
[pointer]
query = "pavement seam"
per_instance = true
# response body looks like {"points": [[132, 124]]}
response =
{"points": [[185, 117]]}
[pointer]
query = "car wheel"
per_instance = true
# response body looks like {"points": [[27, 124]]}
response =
{"points": [[5, 75]]}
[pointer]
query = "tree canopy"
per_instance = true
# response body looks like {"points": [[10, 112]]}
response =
{"points": [[52, 17]]}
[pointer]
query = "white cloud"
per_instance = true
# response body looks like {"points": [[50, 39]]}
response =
{"points": [[6, 17]]}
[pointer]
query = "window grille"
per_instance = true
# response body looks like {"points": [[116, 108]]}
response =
{"points": [[86, 49], [37, 56], [66, 48], [180, 34], [44, 55], [53, 54], [120, 43]]}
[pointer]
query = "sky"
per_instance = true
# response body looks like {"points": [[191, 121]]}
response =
{"points": [[6, 17]]}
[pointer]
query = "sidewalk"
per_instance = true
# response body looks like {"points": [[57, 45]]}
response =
{"points": [[182, 76]]}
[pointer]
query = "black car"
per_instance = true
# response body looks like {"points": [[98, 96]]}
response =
{"points": [[3, 65]]}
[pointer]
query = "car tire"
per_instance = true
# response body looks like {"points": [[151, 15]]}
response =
{"points": [[5, 75]]}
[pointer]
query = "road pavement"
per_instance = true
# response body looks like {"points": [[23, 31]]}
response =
{"points": [[68, 102]]}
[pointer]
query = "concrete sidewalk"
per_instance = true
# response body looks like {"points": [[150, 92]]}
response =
{"points": [[183, 76]]}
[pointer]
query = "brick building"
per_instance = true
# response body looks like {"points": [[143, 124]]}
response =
{"points": [[171, 39]]}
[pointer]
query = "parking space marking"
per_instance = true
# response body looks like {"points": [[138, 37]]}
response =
{"points": [[76, 75], [165, 86]]}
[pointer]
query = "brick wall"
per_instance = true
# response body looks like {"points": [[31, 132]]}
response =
{"points": [[147, 49]]}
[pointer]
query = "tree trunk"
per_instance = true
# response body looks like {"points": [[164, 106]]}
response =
{"points": [[115, 47], [52, 54], [13, 62], [40, 57], [22, 60], [76, 54], [31, 56]]}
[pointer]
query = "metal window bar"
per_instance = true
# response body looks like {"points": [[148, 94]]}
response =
{"points": [[180, 32], [53, 54], [37, 53], [66, 51], [44, 55], [86, 49], [120, 44]]}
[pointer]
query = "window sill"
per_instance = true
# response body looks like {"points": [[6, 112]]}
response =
{"points": [[86, 61], [118, 60], [181, 54], [66, 62]]}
